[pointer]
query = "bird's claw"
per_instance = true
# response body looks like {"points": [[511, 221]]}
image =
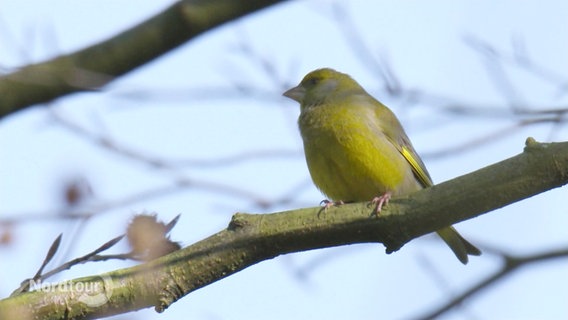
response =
{"points": [[326, 204], [380, 201]]}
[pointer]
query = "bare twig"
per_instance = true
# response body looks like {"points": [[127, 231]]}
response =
{"points": [[361, 50], [510, 265], [519, 58], [89, 257], [40, 276]]}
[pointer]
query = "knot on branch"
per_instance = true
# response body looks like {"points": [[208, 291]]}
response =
{"points": [[532, 145], [171, 293], [238, 221]]}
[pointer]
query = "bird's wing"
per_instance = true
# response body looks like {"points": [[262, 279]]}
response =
{"points": [[395, 134]]}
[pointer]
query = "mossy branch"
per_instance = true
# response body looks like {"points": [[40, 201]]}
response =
{"points": [[93, 67], [252, 238]]}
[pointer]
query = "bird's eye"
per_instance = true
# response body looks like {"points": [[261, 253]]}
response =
{"points": [[310, 82]]}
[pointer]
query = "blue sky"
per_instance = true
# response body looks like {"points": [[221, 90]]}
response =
{"points": [[183, 106]]}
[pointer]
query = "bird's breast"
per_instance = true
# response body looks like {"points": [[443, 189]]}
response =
{"points": [[349, 157]]}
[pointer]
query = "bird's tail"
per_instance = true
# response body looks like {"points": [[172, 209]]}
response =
{"points": [[461, 247]]}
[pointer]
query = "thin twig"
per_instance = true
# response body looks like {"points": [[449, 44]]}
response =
{"points": [[510, 265]]}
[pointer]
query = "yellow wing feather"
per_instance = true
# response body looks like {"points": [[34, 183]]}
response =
{"points": [[417, 166]]}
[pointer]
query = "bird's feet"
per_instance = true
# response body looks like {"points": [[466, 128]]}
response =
{"points": [[381, 201], [326, 204]]}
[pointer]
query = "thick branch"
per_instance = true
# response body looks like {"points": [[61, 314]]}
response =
{"points": [[95, 66], [250, 239]]}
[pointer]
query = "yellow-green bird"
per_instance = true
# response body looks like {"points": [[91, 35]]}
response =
{"points": [[357, 150]]}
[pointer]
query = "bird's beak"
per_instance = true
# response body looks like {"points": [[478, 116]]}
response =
{"points": [[297, 93]]}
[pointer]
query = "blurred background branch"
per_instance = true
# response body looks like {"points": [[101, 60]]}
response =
{"points": [[94, 67]]}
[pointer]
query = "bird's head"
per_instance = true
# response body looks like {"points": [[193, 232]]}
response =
{"points": [[322, 85]]}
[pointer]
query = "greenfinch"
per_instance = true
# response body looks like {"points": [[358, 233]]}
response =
{"points": [[357, 150]]}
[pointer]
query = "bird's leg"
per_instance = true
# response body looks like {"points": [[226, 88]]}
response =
{"points": [[379, 201]]}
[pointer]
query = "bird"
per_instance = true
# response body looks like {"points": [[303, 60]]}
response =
{"points": [[356, 149]]}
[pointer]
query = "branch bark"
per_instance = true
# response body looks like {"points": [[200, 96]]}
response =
{"points": [[97, 65], [252, 238]]}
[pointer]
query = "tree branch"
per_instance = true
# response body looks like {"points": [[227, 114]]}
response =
{"points": [[97, 65], [252, 238]]}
